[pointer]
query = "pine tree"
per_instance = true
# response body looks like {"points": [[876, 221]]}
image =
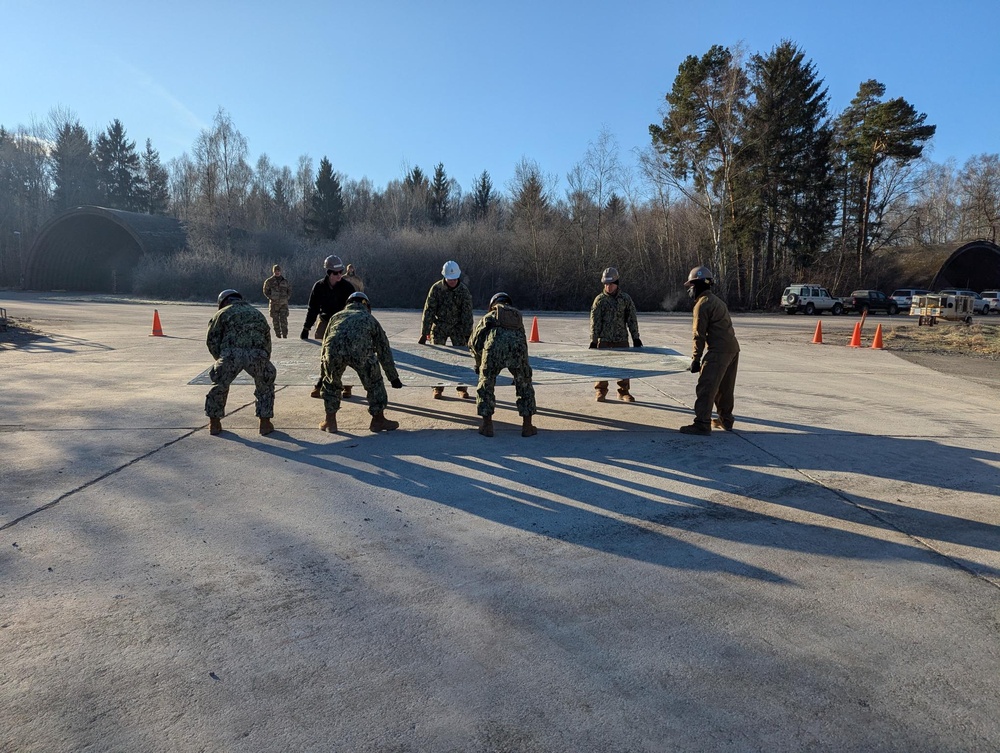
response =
{"points": [[869, 133], [154, 196], [326, 208], [783, 187], [483, 196], [118, 168], [74, 171], [440, 196]]}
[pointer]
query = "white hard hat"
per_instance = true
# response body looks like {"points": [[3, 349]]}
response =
{"points": [[333, 264], [450, 270]]}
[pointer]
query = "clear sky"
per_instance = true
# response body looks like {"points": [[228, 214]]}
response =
{"points": [[379, 86]]}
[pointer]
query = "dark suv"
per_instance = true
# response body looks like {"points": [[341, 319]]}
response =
{"points": [[872, 300]]}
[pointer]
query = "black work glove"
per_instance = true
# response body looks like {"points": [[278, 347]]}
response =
{"points": [[593, 344], [695, 365], [396, 384], [636, 342], [305, 333], [422, 340]]}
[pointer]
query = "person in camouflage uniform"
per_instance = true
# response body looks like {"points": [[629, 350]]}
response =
{"points": [[354, 338], [278, 291], [498, 343], [612, 319], [448, 313], [239, 339]]}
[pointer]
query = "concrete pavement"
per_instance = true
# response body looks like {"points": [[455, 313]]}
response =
{"points": [[825, 578]]}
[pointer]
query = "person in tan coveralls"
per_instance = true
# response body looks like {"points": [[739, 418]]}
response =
{"points": [[716, 356]]}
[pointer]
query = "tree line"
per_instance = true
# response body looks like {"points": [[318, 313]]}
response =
{"points": [[746, 171]]}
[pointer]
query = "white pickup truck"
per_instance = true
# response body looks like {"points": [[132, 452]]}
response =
{"points": [[810, 299]]}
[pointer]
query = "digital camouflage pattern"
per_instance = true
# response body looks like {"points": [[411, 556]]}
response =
{"points": [[239, 339], [612, 319], [447, 313], [278, 291], [355, 339], [499, 343]]}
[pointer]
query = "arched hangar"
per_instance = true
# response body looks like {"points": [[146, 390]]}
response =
{"points": [[975, 266], [95, 249]]}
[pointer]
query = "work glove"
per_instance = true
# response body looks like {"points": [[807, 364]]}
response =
{"points": [[636, 342], [396, 384], [305, 333], [422, 340], [593, 344], [695, 365]]}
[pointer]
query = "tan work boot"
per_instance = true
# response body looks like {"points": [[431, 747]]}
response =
{"points": [[600, 395], [266, 427], [438, 393], [214, 426], [316, 393], [463, 392], [487, 428], [625, 397], [330, 424], [527, 429], [346, 392], [697, 429], [718, 423], [381, 423]]}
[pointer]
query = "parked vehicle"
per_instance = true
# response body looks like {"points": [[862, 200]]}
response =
{"points": [[861, 301], [979, 305], [904, 297], [992, 297], [810, 299]]}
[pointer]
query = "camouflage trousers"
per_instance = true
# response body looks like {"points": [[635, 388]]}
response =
{"points": [[227, 368], [520, 369], [371, 379], [439, 336], [279, 318], [716, 384]]}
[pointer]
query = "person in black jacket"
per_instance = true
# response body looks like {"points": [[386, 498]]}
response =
{"points": [[328, 296]]}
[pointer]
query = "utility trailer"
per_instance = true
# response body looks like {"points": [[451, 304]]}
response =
{"points": [[952, 308]]}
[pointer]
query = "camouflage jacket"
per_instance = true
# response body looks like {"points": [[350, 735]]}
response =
{"points": [[712, 327], [238, 326], [501, 325], [277, 290], [612, 318], [448, 310], [355, 336]]}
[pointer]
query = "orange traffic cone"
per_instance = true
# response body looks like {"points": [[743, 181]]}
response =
{"points": [[856, 337], [877, 340], [157, 329], [534, 331], [818, 337]]}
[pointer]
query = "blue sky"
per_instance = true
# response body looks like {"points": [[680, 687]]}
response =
{"points": [[379, 86]]}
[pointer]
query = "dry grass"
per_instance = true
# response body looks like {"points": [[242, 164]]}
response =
{"points": [[977, 340]]}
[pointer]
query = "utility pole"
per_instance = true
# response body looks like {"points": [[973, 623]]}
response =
{"points": [[20, 261]]}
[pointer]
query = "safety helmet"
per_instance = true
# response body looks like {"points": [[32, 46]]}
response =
{"points": [[358, 296], [699, 273], [500, 298], [226, 294], [450, 270], [609, 275], [333, 264]]}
